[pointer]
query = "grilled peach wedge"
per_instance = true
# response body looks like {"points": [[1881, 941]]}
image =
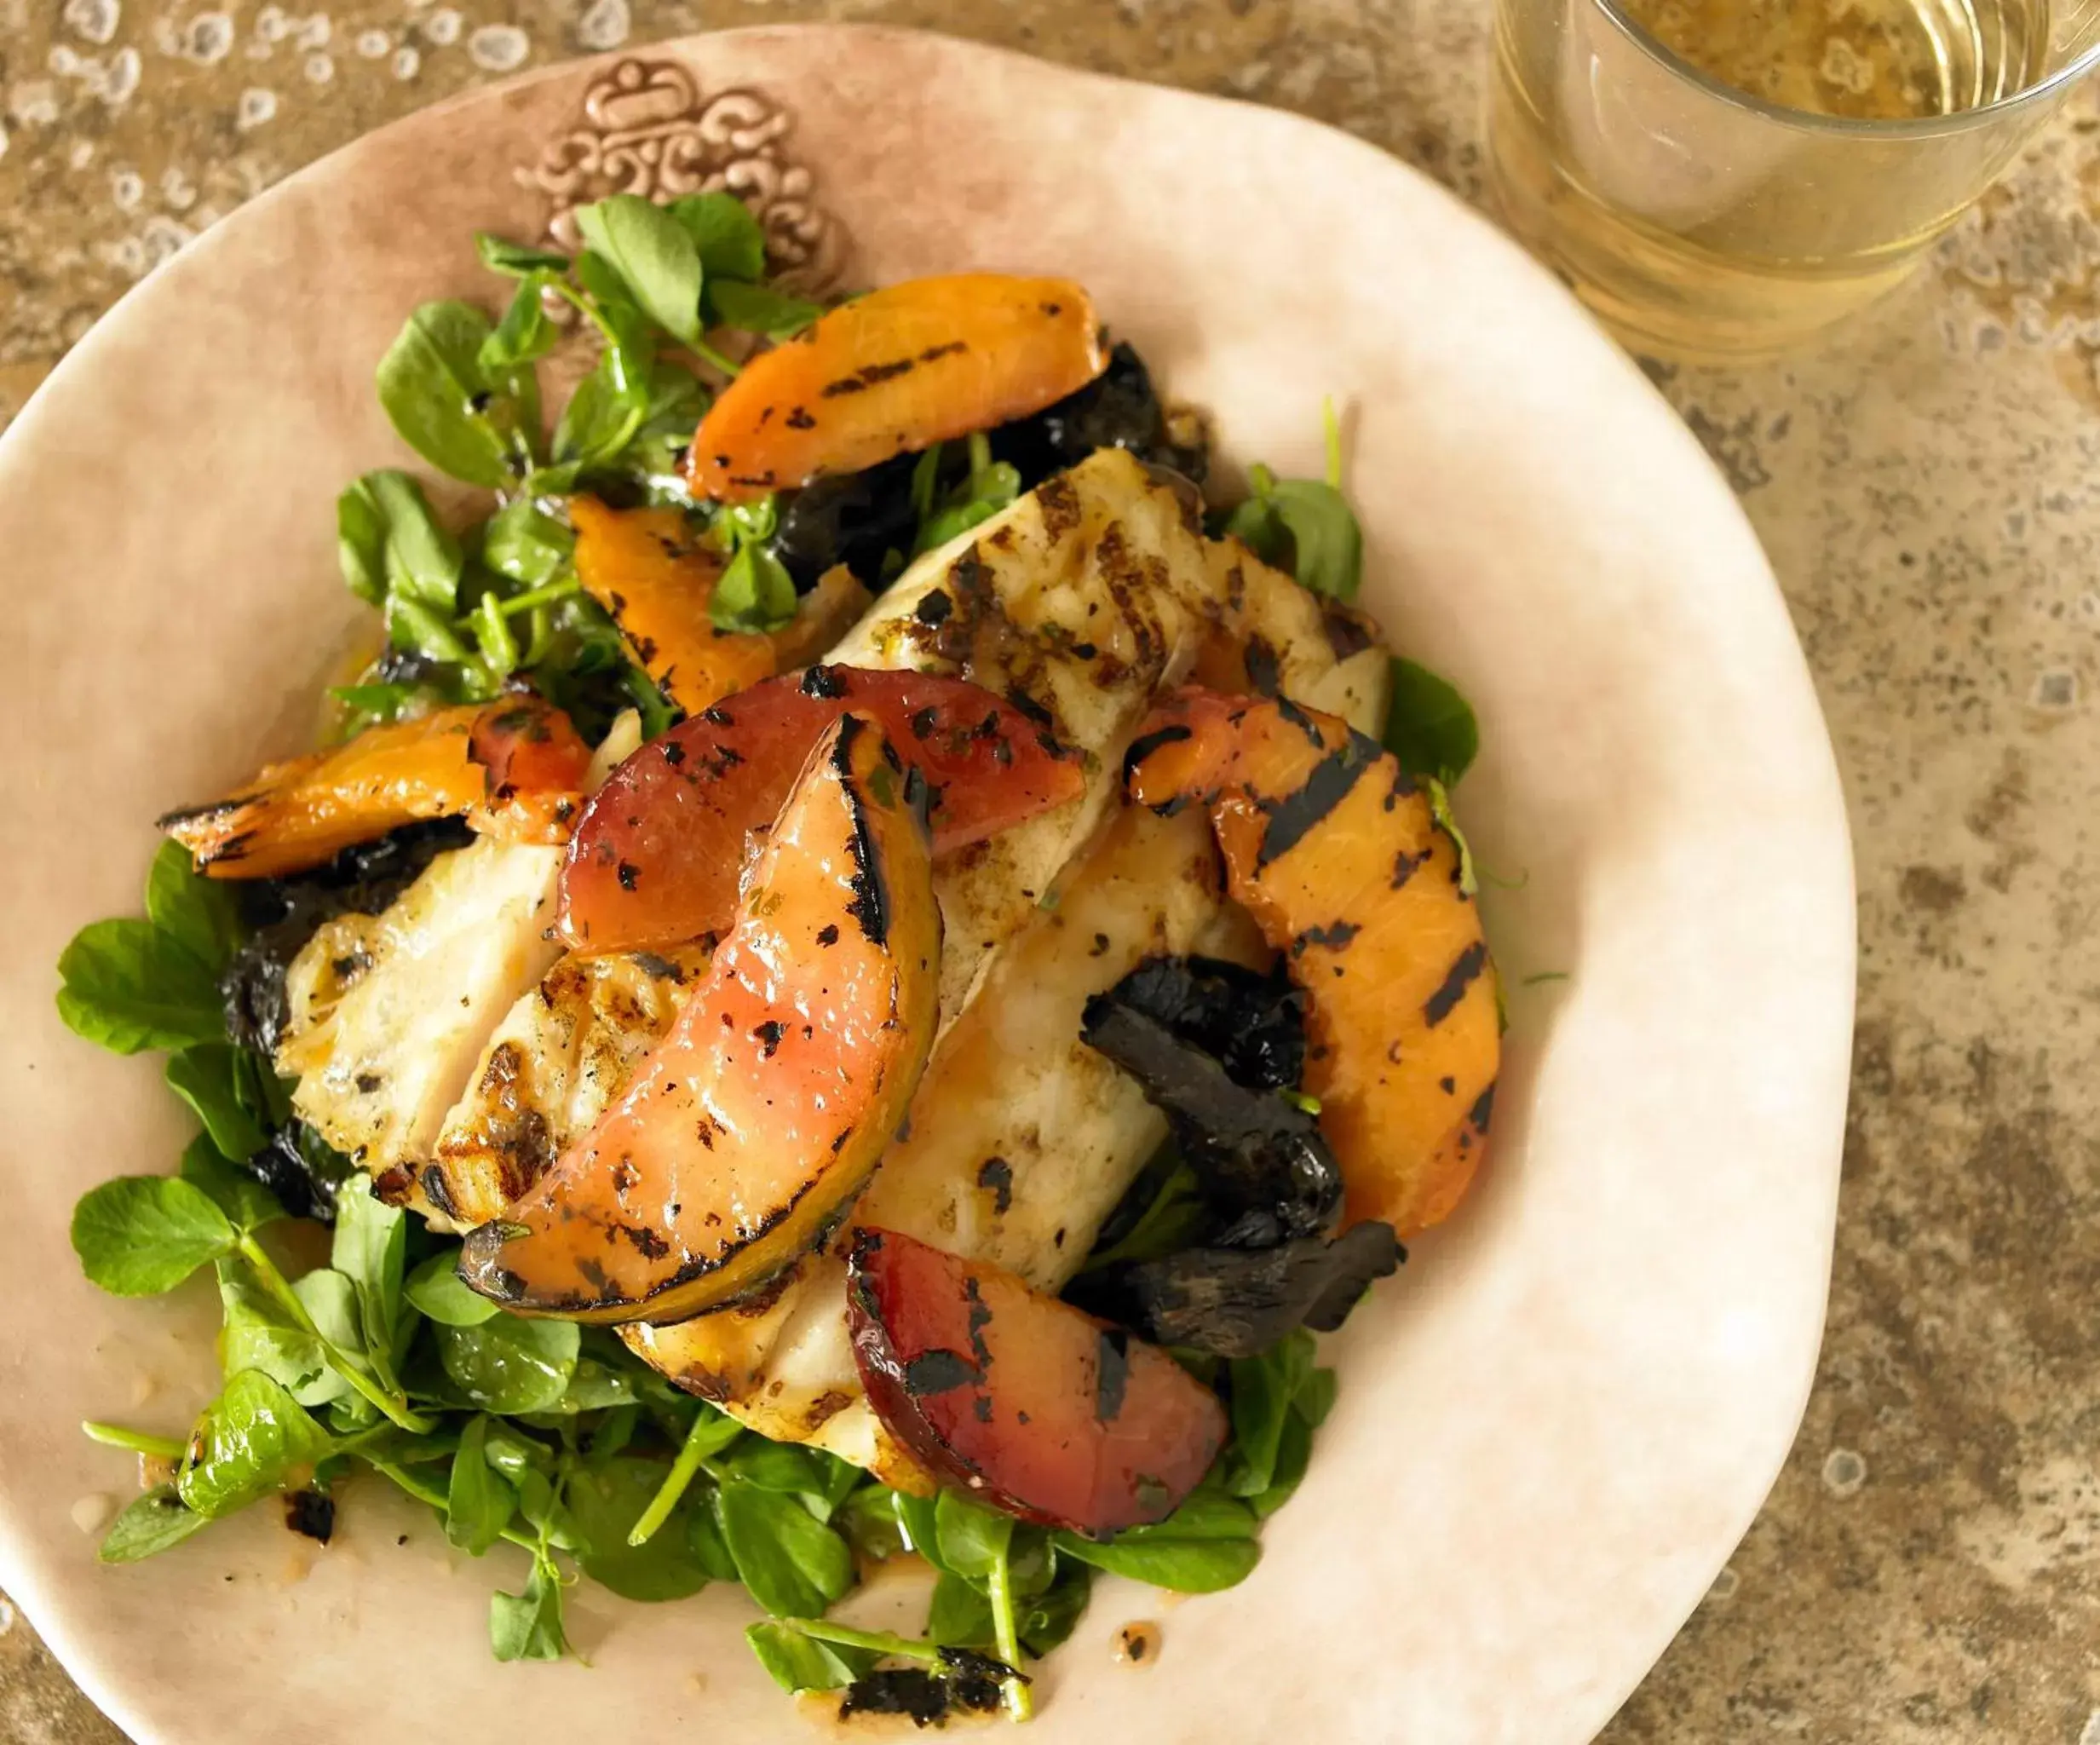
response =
{"points": [[897, 370], [650, 569], [655, 857], [1341, 861], [749, 1131], [514, 768], [1023, 1401]]}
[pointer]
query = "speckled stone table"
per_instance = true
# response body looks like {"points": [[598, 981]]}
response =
{"points": [[1927, 1567]]}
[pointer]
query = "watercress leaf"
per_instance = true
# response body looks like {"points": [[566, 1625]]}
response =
{"points": [[601, 416], [253, 1439], [1170, 1221], [258, 1335], [129, 985], [792, 1563], [247, 1204], [605, 1502], [140, 1235], [726, 237], [755, 594], [972, 1540], [479, 1501], [1262, 1390], [1258, 525], [919, 1520], [196, 912], [525, 334], [1328, 545], [759, 309], [528, 1626], [420, 559], [420, 630], [205, 1076], [150, 1523], [492, 636], [1051, 1617], [1430, 727], [361, 543], [526, 545], [1294, 1452], [1205, 1544], [371, 1250], [868, 1518], [593, 1387], [797, 1662], [514, 1453], [782, 1466], [1316, 1397], [515, 260], [436, 1289], [655, 256], [703, 1535], [509, 1364], [960, 1615], [438, 395]]}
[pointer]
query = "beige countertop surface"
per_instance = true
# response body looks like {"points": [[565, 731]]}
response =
{"points": [[1927, 1566]]}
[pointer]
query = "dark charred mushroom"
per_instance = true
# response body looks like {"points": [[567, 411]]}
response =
{"points": [[1239, 1302], [1261, 1160]]}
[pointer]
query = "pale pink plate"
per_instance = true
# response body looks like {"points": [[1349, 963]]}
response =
{"points": [[1553, 1427]]}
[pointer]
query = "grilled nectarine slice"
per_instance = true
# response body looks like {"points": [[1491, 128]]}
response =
{"points": [[654, 858], [1026, 1403], [899, 369], [515, 768], [1340, 860], [748, 1131], [655, 572]]}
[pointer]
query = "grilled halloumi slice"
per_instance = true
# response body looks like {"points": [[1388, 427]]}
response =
{"points": [[389, 1012], [557, 1060]]}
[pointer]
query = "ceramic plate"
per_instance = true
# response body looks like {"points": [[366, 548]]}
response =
{"points": [[1553, 1427]]}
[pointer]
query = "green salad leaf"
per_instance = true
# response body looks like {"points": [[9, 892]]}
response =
{"points": [[797, 1662], [199, 913], [150, 1523], [479, 1501], [1430, 727], [528, 1625], [1205, 1544], [726, 237], [140, 1235], [793, 1564], [759, 309], [755, 594], [247, 1204], [515, 260], [253, 1439], [130, 986], [655, 256], [509, 1364], [436, 1289], [207, 1076], [466, 420]]}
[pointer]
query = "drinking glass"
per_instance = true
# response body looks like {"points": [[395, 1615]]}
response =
{"points": [[1725, 178]]}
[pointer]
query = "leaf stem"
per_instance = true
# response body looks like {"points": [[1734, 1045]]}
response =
{"points": [[1000, 1590], [691, 1453], [394, 1405], [875, 1641], [138, 1442], [426, 1494], [545, 594], [707, 355]]}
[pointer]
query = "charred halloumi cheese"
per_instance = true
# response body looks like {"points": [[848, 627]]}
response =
{"points": [[389, 1012], [557, 1060]]}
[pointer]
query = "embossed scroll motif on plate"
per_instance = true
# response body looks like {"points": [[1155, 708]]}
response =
{"points": [[647, 129]]}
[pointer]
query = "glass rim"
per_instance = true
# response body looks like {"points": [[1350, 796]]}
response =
{"points": [[1808, 121]]}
